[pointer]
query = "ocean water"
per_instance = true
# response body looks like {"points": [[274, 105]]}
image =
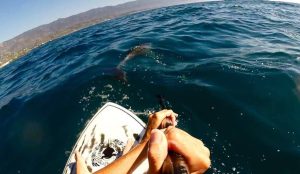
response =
{"points": [[230, 69]]}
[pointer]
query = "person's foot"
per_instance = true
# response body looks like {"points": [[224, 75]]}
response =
{"points": [[81, 167]]}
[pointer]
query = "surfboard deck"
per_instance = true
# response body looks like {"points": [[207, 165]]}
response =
{"points": [[103, 139]]}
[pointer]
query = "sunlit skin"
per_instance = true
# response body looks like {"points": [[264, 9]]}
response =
{"points": [[154, 146]]}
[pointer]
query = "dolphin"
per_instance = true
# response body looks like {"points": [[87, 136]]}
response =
{"points": [[143, 49]]}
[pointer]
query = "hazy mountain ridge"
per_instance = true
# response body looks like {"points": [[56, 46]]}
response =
{"points": [[23, 43]]}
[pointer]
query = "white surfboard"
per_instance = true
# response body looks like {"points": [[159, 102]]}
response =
{"points": [[104, 138]]}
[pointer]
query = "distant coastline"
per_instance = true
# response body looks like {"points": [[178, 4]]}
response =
{"points": [[21, 45]]}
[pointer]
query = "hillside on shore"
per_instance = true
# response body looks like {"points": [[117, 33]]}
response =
{"points": [[22, 44]]}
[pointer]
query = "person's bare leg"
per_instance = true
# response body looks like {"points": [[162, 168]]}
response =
{"points": [[81, 167]]}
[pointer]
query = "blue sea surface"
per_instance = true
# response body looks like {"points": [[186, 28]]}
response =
{"points": [[230, 69]]}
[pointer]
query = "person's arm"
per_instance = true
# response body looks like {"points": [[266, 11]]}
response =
{"points": [[128, 162], [125, 164]]}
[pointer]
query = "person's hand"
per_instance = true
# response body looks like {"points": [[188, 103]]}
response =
{"points": [[196, 155], [155, 120]]}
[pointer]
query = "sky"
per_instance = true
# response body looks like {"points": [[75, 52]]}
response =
{"points": [[18, 16]]}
